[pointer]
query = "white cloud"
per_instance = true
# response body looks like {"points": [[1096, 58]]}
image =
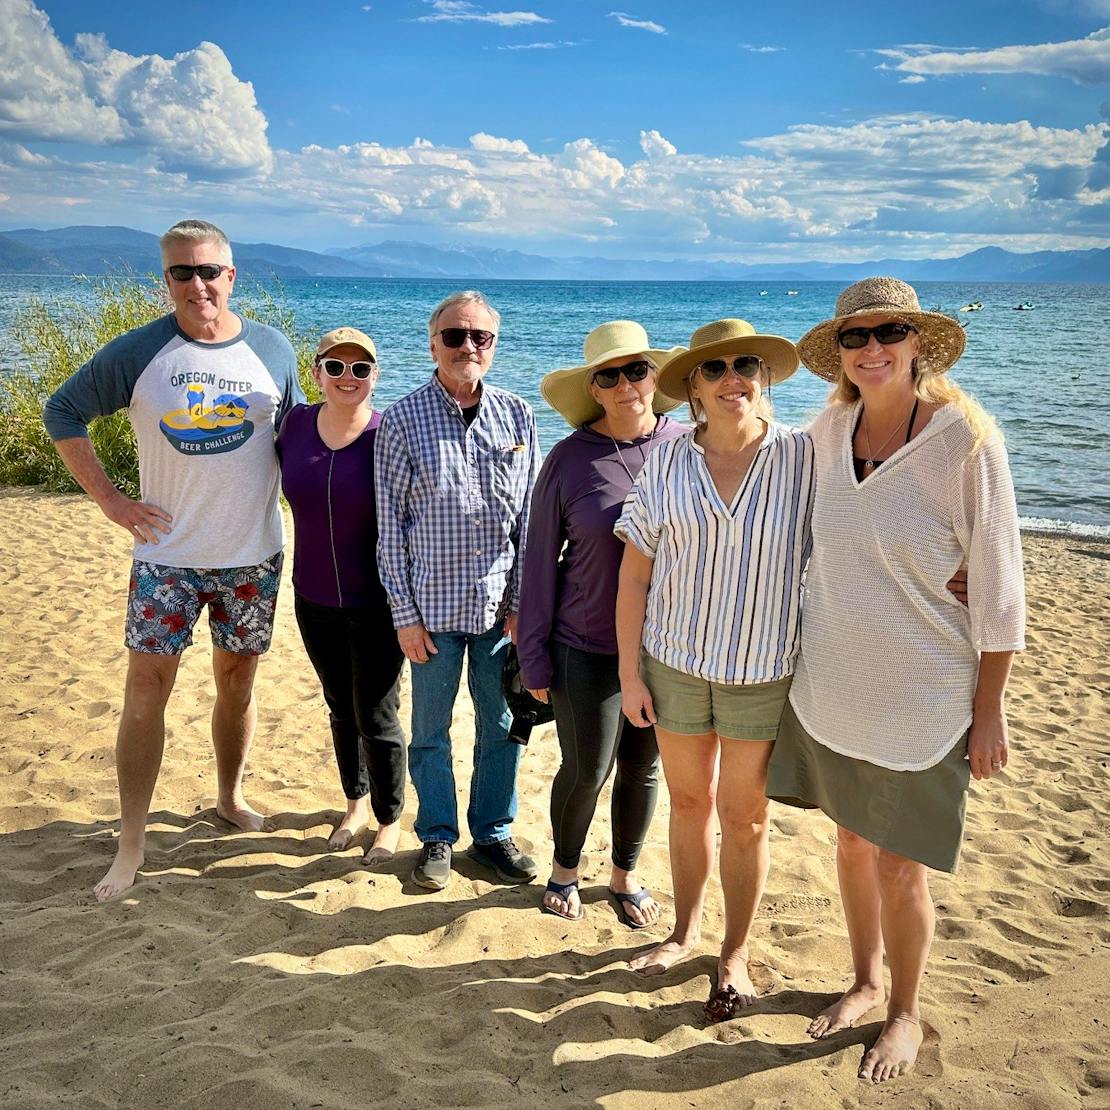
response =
{"points": [[492, 144], [626, 20], [537, 45], [655, 146], [761, 49], [913, 79], [189, 111], [459, 11], [1085, 61]]}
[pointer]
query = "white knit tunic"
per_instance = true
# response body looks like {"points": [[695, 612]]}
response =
{"points": [[889, 657]]}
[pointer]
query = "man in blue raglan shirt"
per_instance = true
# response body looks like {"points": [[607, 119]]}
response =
{"points": [[205, 391]]}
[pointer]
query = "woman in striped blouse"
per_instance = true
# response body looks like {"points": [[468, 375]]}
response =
{"points": [[716, 533]]}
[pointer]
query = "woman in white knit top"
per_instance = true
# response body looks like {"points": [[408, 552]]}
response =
{"points": [[898, 694]]}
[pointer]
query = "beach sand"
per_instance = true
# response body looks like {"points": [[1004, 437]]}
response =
{"points": [[257, 970]]}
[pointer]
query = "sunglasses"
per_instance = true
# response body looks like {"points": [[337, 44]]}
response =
{"points": [[633, 371], [334, 367], [744, 366], [206, 271], [456, 337], [851, 339]]}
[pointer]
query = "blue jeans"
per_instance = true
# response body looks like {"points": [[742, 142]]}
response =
{"points": [[435, 685]]}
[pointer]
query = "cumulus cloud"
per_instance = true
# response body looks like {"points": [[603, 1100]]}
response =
{"points": [[655, 146], [460, 11], [490, 143], [913, 79], [189, 112], [1085, 61], [626, 20]]}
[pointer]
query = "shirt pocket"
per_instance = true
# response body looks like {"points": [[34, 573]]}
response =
{"points": [[508, 476]]}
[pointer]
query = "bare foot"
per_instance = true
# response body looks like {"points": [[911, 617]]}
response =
{"points": [[856, 1001], [353, 821], [732, 971], [895, 1052], [663, 956], [241, 816], [385, 844], [120, 876]]}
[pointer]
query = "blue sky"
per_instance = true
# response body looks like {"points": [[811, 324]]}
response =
{"points": [[656, 129]]}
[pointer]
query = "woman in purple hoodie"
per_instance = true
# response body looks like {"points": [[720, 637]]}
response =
{"points": [[566, 640], [327, 475]]}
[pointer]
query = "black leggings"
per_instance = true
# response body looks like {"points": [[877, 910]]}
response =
{"points": [[594, 734], [358, 660]]}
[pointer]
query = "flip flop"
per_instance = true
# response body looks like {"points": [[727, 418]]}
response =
{"points": [[563, 890], [623, 901]]}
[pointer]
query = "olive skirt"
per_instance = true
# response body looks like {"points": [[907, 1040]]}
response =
{"points": [[916, 814]]}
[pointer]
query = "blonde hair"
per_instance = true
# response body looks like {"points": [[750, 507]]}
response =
{"points": [[936, 388]]}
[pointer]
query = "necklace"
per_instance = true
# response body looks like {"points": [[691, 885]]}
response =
{"points": [[871, 462], [643, 450]]}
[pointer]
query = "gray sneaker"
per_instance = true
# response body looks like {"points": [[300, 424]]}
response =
{"points": [[434, 868], [505, 859]]}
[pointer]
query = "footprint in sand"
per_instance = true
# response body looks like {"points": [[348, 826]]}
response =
{"points": [[98, 708]]}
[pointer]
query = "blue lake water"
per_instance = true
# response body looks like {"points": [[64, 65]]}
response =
{"points": [[1045, 374]]}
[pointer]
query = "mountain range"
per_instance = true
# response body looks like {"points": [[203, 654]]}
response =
{"points": [[108, 250]]}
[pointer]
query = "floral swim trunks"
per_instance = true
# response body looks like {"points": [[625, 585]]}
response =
{"points": [[164, 605]]}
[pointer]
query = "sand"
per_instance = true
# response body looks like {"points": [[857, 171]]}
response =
{"points": [[258, 970]]}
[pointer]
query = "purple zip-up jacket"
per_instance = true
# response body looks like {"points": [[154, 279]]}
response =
{"points": [[335, 523], [578, 497]]}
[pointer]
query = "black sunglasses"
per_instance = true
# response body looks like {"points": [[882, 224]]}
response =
{"points": [[334, 367], [456, 337], [744, 366], [851, 339], [206, 271], [633, 371]]}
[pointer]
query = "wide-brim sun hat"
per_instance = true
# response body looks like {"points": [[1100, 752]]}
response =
{"points": [[567, 391], [728, 337], [941, 340], [338, 337]]}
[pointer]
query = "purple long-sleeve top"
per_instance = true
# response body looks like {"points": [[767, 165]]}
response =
{"points": [[572, 559], [335, 522]]}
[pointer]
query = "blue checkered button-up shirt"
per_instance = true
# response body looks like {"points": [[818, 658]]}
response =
{"points": [[453, 506]]}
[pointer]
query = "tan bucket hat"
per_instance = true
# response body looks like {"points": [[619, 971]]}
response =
{"points": [[726, 337], [941, 339], [567, 391], [338, 336]]}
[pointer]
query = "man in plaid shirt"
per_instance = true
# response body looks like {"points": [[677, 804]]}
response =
{"points": [[455, 462]]}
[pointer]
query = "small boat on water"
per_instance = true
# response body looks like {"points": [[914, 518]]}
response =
{"points": [[1025, 306], [763, 292], [973, 306], [792, 292]]}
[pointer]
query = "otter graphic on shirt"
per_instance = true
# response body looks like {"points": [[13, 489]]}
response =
{"points": [[207, 428]]}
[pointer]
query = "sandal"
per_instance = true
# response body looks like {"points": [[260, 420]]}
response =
{"points": [[623, 901], [563, 891]]}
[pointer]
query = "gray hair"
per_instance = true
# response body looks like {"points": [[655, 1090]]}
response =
{"points": [[196, 231], [463, 296]]}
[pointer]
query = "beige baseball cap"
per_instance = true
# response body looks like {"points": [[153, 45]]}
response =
{"points": [[338, 336]]}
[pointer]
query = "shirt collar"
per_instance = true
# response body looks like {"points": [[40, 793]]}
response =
{"points": [[449, 402]]}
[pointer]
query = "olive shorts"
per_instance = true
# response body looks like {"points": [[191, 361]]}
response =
{"points": [[691, 706]]}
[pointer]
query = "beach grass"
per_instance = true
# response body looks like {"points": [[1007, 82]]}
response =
{"points": [[60, 337]]}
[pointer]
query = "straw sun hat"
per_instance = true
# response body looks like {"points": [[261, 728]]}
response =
{"points": [[941, 339], [728, 337], [567, 391]]}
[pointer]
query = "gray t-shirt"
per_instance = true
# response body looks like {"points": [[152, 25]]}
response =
{"points": [[204, 416]]}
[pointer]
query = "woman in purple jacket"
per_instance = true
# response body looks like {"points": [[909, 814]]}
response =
{"points": [[327, 475], [566, 637]]}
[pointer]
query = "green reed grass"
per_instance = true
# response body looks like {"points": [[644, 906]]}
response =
{"points": [[58, 338]]}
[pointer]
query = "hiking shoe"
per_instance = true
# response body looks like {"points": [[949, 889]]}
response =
{"points": [[434, 868], [504, 858]]}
